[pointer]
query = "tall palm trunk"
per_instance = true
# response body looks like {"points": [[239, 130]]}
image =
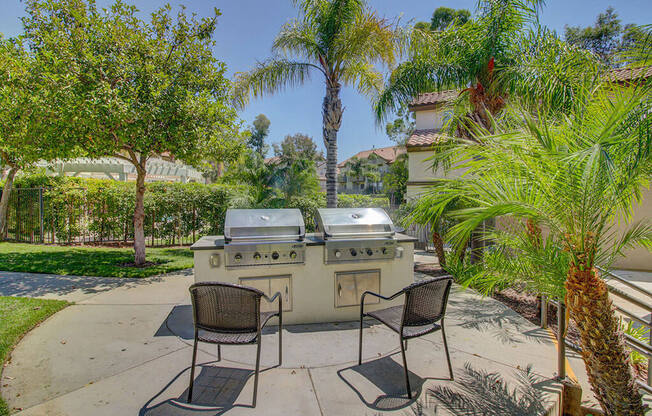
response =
{"points": [[603, 346], [139, 216], [438, 242], [4, 201], [332, 120]]}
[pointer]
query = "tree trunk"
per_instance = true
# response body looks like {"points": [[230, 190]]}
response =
{"points": [[438, 242], [139, 216], [332, 120], [4, 201], [603, 346]]}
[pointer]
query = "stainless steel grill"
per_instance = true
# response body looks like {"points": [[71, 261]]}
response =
{"points": [[356, 234], [258, 237]]}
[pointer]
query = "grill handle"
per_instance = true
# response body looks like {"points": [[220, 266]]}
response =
{"points": [[268, 237], [372, 234]]}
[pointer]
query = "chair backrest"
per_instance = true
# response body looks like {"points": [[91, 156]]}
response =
{"points": [[425, 301], [224, 307]]}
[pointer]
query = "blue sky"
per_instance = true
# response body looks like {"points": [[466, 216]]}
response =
{"points": [[247, 27]]}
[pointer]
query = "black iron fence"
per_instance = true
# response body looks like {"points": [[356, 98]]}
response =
{"points": [[76, 215]]}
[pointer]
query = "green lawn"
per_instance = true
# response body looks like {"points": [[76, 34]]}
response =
{"points": [[17, 317], [90, 261]]}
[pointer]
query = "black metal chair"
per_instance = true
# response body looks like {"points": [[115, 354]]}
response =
{"points": [[230, 314], [422, 313]]}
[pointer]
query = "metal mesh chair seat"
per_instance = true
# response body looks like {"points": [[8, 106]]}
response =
{"points": [[422, 313], [392, 317], [234, 338]]}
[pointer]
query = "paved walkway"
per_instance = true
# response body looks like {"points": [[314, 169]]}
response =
{"points": [[124, 348]]}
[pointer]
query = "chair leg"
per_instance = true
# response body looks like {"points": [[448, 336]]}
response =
{"points": [[219, 353], [257, 368], [280, 342], [192, 369], [360, 343], [405, 368], [448, 357]]}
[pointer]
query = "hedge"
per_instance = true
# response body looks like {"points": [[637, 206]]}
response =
{"points": [[80, 210]]}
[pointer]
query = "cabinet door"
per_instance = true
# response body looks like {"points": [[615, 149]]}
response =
{"points": [[282, 284], [346, 293], [368, 281], [269, 285]]}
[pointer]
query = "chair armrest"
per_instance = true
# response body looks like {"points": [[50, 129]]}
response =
{"points": [[273, 298], [369, 292]]}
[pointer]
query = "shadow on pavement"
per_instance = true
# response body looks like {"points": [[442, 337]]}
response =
{"points": [[34, 285], [494, 318], [179, 323], [480, 392], [387, 376], [215, 391]]}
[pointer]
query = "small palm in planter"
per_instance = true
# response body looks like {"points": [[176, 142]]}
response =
{"points": [[576, 176]]}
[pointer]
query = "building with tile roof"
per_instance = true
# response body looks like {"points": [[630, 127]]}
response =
{"points": [[377, 160], [430, 114]]}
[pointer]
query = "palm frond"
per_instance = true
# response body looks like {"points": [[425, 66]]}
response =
{"points": [[269, 77], [297, 38]]}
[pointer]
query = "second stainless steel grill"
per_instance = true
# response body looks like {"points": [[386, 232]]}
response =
{"points": [[257, 237], [356, 234]]}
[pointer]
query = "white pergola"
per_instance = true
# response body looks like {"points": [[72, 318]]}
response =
{"points": [[121, 170]]}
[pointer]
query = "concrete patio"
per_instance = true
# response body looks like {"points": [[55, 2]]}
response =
{"points": [[125, 349]]}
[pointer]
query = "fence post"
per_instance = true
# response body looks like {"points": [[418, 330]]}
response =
{"points": [[544, 312], [561, 340], [40, 209], [649, 360]]}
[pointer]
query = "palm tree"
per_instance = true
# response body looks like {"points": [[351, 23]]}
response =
{"points": [[339, 39], [576, 176], [489, 58]]}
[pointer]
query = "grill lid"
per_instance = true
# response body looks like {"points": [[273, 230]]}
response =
{"points": [[354, 223], [264, 224]]}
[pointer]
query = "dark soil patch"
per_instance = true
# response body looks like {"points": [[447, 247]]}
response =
{"points": [[430, 269]]}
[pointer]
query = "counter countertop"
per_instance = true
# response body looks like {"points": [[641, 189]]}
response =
{"points": [[216, 242]]}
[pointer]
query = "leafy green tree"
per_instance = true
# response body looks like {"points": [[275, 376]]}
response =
{"points": [[363, 170], [260, 130], [29, 104], [142, 88], [229, 147], [395, 180], [401, 128], [339, 39], [296, 147], [489, 58], [296, 178], [576, 176], [442, 17], [422, 26], [607, 38]]}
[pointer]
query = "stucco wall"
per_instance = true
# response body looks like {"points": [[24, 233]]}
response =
{"points": [[638, 258], [428, 119]]}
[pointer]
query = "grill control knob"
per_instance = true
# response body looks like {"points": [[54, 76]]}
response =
{"points": [[370, 252], [293, 254], [237, 257], [256, 256], [275, 255], [353, 252], [338, 254]]}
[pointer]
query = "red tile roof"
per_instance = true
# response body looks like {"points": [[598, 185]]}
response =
{"points": [[389, 154], [430, 98], [425, 138], [628, 74]]}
